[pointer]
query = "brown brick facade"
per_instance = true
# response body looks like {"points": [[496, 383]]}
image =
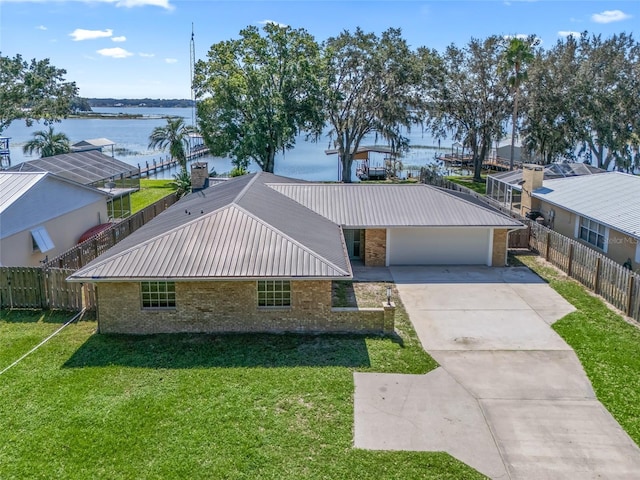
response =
{"points": [[500, 246], [375, 247], [231, 306]]}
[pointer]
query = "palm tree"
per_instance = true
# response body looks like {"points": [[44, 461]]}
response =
{"points": [[518, 54], [175, 135], [47, 143]]}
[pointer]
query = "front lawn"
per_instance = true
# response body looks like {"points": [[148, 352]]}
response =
{"points": [[150, 192], [607, 346], [198, 406]]}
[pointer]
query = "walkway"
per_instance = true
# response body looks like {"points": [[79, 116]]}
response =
{"points": [[510, 398]]}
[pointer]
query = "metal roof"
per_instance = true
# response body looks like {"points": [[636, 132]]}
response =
{"points": [[262, 225], [94, 142], [392, 205], [612, 198], [551, 171], [15, 184], [238, 229], [83, 167], [26, 199]]}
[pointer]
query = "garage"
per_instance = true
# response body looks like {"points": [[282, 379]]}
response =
{"points": [[439, 246]]}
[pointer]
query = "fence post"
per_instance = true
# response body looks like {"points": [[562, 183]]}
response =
{"points": [[597, 276], [630, 295], [570, 259], [546, 253]]}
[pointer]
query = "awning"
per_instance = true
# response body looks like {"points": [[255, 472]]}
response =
{"points": [[42, 239]]}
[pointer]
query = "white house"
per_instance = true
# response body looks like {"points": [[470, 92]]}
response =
{"points": [[43, 215]]}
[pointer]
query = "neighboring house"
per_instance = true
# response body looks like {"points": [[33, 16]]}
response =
{"points": [[93, 168], [506, 187], [602, 211], [43, 215], [260, 253]]}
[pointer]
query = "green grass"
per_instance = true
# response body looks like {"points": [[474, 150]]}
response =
{"points": [[467, 181], [608, 347], [150, 192], [198, 406]]}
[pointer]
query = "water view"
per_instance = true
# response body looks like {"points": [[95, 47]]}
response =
{"points": [[306, 161]]}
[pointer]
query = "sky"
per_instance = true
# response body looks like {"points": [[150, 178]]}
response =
{"points": [[141, 48]]}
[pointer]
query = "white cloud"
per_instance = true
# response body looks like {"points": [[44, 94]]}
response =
{"points": [[609, 16], [171, 60], [166, 4], [147, 55], [264, 22], [568, 33], [80, 34], [521, 36], [116, 52], [41, 27], [121, 38]]}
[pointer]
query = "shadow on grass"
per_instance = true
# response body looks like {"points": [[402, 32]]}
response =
{"points": [[35, 316], [232, 350]]}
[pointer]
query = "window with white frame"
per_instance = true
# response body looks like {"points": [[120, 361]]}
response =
{"points": [[592, 232], [158, 294], [274, 293]]}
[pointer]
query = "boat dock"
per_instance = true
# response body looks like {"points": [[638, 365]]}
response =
{"points": [[453, 160], [168, 163]]}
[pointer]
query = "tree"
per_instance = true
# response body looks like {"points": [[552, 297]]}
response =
{"points": [[175, 136], [550, 127], [47, 143], [472, 97], [608, 96], [257, 92], [33, 91], [371, 87], [515, 58]]}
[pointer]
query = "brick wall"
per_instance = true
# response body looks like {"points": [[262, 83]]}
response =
{"points": [[375, 247], [231, 307], [500, 246]]}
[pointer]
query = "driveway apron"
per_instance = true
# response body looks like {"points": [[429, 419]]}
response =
{"points": [[510, 397]]}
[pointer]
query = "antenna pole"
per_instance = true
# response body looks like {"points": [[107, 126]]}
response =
{"points": [[193, 64]]}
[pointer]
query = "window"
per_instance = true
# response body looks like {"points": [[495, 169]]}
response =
{"points": [[40, 240], [592, 232], [158, 294], [274, 293]]}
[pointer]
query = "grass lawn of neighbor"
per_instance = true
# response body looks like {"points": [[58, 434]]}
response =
{"points": [[467, 181], [150, 192], [608, 347], [196, 406]]}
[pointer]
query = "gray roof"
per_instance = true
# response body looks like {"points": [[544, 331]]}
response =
{"points": [[612, 198], [392, 205], [265, 226], [83, 167], [26, 199], [551, 171], [94, 142], [237, 229]]}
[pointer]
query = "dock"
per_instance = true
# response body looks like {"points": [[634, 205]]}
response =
{"points": [[168, 163], [453, 160]]}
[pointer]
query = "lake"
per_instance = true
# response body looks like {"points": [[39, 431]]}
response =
{"points": [[306, 161]]}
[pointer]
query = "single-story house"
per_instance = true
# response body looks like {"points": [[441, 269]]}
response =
{"points": [[601, 211], [260, 253], [43, 215], [95, 169], [506, 187]]}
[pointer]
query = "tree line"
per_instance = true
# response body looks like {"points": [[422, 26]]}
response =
{"points": [[578, 99]]}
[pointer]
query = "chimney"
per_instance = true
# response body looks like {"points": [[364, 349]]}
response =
{"points": [[532, 177], [199, 176]]}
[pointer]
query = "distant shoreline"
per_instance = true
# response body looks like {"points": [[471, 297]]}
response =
{"points": [[118, 116]]}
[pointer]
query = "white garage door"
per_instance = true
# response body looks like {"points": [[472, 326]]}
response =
{"points": [[438, 246]]}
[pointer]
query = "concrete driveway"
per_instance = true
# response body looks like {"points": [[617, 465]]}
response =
{"points": [[510, 397]]}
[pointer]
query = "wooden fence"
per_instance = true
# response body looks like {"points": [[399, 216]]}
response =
{"points": [[91, 248], [616, 284], [43, 288]]}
